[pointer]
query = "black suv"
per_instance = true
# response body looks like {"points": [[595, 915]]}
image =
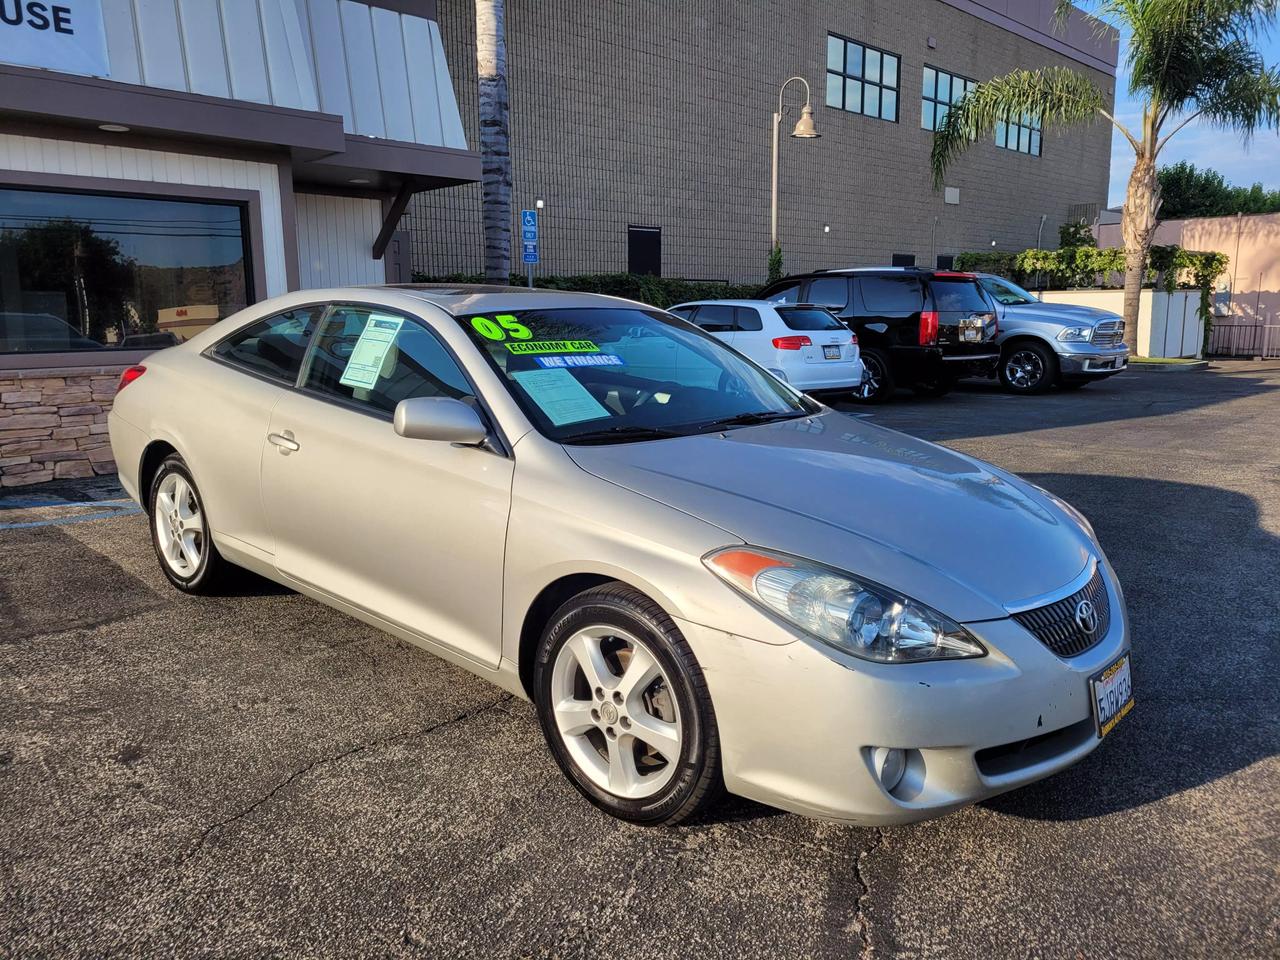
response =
{"points": [[923, 329]]}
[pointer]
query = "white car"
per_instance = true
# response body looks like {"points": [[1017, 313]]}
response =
{"points": [[803, 344]]}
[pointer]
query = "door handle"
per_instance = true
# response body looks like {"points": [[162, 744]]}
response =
{"points": [[284, 441]]}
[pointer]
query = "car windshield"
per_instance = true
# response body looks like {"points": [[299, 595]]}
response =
{"points": [[958, 294], [1007, 292], [613, 375], [809, 318]]}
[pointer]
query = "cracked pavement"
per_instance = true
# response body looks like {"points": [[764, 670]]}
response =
{"points": [[259, 775]]}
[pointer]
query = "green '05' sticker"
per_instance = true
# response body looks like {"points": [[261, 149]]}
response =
{"points": [[501, 325], [554, 346]]}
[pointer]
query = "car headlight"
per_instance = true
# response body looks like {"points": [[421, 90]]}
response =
{"points": [[853, 615], [1076, 334]]}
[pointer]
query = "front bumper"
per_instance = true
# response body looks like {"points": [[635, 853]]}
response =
{"points": [[1087, 361], [798, 726]]}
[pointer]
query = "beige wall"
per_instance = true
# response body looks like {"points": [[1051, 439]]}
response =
{"points": [[656, 113], [1252, 243]]}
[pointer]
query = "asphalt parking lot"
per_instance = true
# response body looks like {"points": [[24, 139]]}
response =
{"points": [[259, 775]]}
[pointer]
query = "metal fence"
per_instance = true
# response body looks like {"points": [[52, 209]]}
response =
{"points": [[1245, 340]]}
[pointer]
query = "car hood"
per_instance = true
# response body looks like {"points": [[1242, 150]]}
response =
{"points": [[1067, 313], [951, 531]]}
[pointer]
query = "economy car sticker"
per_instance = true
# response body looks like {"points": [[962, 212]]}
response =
{"points": [[561, 397], [370, 351], [582, 360], [552, 346]]}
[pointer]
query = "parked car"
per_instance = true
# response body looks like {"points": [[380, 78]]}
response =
{"points": [[923, 329], [802, 344], [1046, 343], [695, 586]]}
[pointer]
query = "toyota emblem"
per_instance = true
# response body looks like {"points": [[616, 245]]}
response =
{"points": [[1087, 616]]}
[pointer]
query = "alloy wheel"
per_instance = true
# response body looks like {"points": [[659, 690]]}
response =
{"points": [[873, 376], [1024, 369], [616, 712], [179, 525]]}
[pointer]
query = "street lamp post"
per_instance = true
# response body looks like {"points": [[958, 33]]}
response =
{"points": [[804, 130]]}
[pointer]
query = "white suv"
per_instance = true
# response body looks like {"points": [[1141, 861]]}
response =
{"points": [[803, 344]]}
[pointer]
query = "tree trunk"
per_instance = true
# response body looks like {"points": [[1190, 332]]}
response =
{"points": [[495, 144], [1137, 226]]}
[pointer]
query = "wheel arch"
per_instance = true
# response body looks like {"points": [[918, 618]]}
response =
{"points": [[153, 455], [1018, 339], [546, 603]]}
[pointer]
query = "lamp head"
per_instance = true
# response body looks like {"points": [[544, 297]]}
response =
{"points": [[805, 129]]}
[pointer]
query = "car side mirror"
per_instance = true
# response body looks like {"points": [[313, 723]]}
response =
{"points": [[439, 418]]}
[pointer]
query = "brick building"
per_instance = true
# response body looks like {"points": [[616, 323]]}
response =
{"points": [[647, 113]]}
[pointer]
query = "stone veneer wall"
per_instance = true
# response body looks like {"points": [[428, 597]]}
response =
{"points": [[53, 424]]}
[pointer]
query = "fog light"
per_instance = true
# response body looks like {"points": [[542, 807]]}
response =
{"points": [[890, 764]]}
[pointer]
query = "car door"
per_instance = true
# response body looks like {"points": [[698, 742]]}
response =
{"points": [[410, 530], [718, 320], [750, 337]]}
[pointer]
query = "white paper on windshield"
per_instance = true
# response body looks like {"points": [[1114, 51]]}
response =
{"points": [[561, 397], [370, 351]]}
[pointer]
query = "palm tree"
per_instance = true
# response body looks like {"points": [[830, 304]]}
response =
{"points": [[495, 142], [1187, 59]]}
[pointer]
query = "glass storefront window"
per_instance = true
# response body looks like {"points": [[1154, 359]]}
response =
{"points": [[85, 271]]}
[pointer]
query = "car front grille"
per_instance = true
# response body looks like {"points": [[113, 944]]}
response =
{"points": [[1057, 626], [1108, 333]]}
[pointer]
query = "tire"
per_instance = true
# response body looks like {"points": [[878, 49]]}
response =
{"points": [[1074, 384], [879, 375], [183, 545], [590, 719], [1028, 367]]}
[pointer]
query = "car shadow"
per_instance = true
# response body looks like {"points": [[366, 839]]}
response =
{"points": [[1200, 576], [981, 408]]}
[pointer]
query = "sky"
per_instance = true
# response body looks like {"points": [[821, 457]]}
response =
{"points": [[1197, 142]]}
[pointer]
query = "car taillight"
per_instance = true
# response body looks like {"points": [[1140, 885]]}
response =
{"points": [[791, 343], [129, 375], [928, 328], [854, 341]]}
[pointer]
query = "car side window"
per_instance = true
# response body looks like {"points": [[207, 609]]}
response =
{"points": [[788, 291], [684, 313], [714, 318], [748, 318], [377, 358], [273, 347], [832, 292], [890, 295]]}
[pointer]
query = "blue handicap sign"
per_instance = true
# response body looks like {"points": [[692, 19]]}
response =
{"points": [[529, 236], [531, 257], [529, 218]]}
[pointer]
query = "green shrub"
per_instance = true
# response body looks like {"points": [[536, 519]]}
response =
{"points": [[656, 291]]}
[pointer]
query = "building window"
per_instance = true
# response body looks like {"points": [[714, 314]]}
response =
{"points": [[81, 271], [862, 79], [939, 91], [1020, 133]]}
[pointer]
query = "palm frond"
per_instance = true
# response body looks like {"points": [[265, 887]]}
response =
{"points": [[1057, 96]]}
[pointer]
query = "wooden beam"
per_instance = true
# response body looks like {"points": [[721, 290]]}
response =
{"points": [[392, 219]]}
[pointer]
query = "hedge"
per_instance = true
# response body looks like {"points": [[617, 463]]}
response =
{"points": [[656, 291]]}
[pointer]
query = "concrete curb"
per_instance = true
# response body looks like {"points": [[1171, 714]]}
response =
{"points": [[1168, 367]]}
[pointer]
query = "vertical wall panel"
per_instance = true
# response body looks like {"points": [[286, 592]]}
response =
{"points": [[161, 44], [245, 50], [287, 70], [122, 42], [450, 119], [334, 239], [423, 98], [393, 74], [330, 60], [362, 69], [203, 48]]}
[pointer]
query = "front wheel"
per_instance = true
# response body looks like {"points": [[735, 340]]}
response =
{"points": [[625, 709], [1028, 368], [877, 384]]}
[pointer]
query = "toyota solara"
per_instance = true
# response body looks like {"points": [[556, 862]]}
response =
{"points": [[703, 579]]}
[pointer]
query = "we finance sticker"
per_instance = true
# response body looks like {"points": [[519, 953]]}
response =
{"points": [[580, 360], [521, 348]]}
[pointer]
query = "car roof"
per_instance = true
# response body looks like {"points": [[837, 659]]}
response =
{"points": [[726, 303], [463, 298], [919, 271]]}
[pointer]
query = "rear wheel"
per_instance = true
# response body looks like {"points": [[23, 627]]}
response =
{"points": [[625, 709], [1028, 368], [878, 384], [180, 531]]}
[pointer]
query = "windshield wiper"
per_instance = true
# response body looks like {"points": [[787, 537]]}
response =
{"points": [[622, 433], [750, 419]]}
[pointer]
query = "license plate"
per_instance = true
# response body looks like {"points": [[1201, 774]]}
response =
{"points": [[970, 334], [1112, 694], [831, 353]]}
